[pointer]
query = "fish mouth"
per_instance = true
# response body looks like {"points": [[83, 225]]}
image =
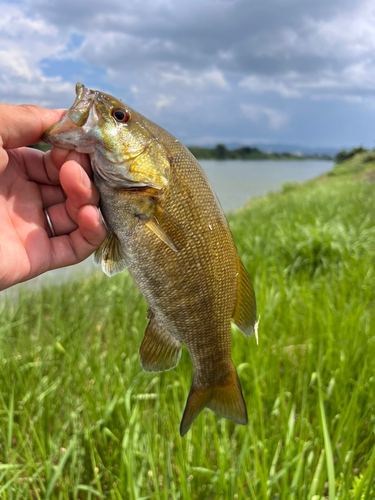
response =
{"points": [[72, 128], [62, 132]]}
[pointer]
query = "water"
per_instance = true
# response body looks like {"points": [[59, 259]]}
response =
{"points": [[234, 181]]}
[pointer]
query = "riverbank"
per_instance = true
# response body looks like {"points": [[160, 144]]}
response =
{"points": [[79, 418], [221, 152]]}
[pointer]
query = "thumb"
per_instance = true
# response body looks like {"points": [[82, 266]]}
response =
{"points": [[24, 125], [3, 160]]}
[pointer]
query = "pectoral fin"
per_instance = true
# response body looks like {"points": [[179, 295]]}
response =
{"points": [[167, 229], [245, 312], [158, 230], [159, 350], [111, 256]]}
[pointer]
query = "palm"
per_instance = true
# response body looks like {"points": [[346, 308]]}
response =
{"points": [[31, 184], [23, 227]]}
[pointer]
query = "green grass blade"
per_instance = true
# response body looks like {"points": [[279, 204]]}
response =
{"points": [[59, 469], [327, 446]]}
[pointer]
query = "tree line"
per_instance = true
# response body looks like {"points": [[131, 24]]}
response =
{"points": [[221, 152]]}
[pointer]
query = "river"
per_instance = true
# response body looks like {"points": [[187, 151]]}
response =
{"points": [[234, 182]]}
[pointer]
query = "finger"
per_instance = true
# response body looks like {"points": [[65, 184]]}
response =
{"points": [[35, 164], [49, 172], [60, 220], [3, 160], [52, 195], [91, 225], [76, 247], [78, 188], [59, 156], [24, 125]]}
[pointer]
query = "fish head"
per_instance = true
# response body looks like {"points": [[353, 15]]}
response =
{"points": [[123, 152]]}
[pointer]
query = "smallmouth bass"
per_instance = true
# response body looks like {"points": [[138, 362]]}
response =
{"points": [[165, 224]]}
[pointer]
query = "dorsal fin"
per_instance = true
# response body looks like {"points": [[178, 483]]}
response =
{"points": [[111, 256], [245, 312], [159, 349], [165, 227]]}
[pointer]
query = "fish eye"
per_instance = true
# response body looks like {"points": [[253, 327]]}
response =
{"points": [[121, 115]]}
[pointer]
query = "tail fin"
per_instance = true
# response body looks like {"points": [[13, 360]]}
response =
{"points": [[224, 399]]}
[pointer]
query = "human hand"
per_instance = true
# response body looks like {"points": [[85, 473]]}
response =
{"points": [[31, 183]]}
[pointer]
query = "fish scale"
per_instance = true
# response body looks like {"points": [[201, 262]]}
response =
{"points": [[166, 225]]}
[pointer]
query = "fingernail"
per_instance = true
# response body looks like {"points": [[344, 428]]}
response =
{"points": [[100, 218], [74, 156], [85, 179]]}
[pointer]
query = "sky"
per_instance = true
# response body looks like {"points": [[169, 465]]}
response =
{"points": [[209, 71]]}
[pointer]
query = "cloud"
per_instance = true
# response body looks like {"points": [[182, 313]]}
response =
{"points": [[24, 43], [259, 84], [274, 118], [321, 58], [164, 101], [354, 82], [291, 48], [207, 79], [191, 63]]}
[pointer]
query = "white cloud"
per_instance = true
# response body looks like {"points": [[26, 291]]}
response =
{"points": [[205, 80], [341, 50], [24, 43], [260, 84], [349, 34], [164, 101], [354, 83], [14, 63], [274, 118]]}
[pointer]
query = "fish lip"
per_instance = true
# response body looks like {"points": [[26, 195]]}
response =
{"points": [[64, 126]]}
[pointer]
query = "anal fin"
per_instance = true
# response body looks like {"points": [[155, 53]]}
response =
{"points": [[225, 399], [245, 312], [159, 349], [111, 256]]}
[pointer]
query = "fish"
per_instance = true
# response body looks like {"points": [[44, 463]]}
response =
{"points": [[166, 226]]}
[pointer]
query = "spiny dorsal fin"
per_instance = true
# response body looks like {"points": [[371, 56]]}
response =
{"points": [[225, 399], [167, 229], [245, 312], [111, 256], [159, 350]]}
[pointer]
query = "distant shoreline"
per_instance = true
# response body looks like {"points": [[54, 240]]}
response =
{"points": [[221, 152]]}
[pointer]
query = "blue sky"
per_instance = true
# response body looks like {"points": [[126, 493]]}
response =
{"points": [[209, 71]]}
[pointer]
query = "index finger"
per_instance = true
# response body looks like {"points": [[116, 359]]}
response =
{"points": [[25, 124]]}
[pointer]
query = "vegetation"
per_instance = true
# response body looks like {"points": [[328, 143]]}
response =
{"points": [[220, 152], [344, 155], [357, 161], [42, 146], [80, 420]]}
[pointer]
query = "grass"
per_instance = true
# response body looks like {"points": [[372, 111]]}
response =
{"points": [[359, 163], [80, 420]]}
